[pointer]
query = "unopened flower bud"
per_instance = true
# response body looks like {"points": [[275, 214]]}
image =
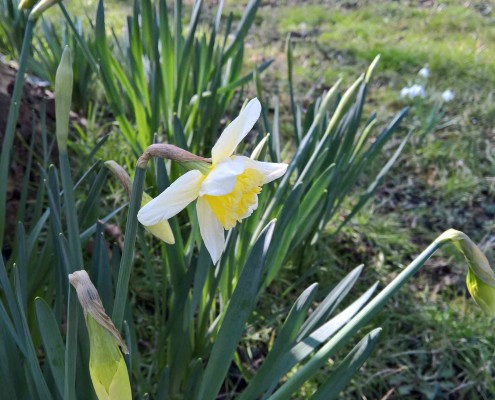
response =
{"points": [[162, 229], [63, 98], [480, 279], [106, 363]]}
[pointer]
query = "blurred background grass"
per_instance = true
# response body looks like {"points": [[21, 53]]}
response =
{"points": [[435, 344]]}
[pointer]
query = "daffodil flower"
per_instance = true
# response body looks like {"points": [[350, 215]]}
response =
{"points": [[226, 190]]}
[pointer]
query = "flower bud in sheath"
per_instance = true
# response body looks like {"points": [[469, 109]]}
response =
{"points": [[63, 98], [162, 229], [106, 363], [480, 278]]}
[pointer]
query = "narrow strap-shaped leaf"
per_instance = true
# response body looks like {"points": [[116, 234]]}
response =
{"points": [[290, 59], [311, 343], [330, 303], [195, 370], [11, 374], [285, 339], [344, 334], [239, 308], [32, 358], [324, 332], [9, 328], [163, 384], [245, 79], [376, 182], [52, 342], [104, 276], [344, 372], [93, 196], [92, 229], [22, 264], [285, 231], [243, 28], [11, 300]]}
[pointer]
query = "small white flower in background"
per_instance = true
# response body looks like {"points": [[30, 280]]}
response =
{"points": [[448, 95], [227, 191], [417, 91], [413, 91], [424, 72], [404, 93]]}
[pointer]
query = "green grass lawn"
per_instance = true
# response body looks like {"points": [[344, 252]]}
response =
{"points": [[436, 343]]}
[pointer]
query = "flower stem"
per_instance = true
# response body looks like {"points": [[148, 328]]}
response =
{"points": [[128, 252]]}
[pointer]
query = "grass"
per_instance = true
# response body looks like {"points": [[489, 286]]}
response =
{"points": [[435, 343]]}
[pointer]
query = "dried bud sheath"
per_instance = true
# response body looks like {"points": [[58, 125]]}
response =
{"points": [[120, 174], [63, 97], [170, 152], [91, 303], [162, 229]]}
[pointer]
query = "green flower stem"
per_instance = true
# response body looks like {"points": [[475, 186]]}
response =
{"points": [[349, 330], [12, 122], [71, 346], [128, 252], [71, 215]]}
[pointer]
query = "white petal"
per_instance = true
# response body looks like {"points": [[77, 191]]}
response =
{"points": [[211, 230], [236, 131], [221, 180], [271, 171], [172, 200]]}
